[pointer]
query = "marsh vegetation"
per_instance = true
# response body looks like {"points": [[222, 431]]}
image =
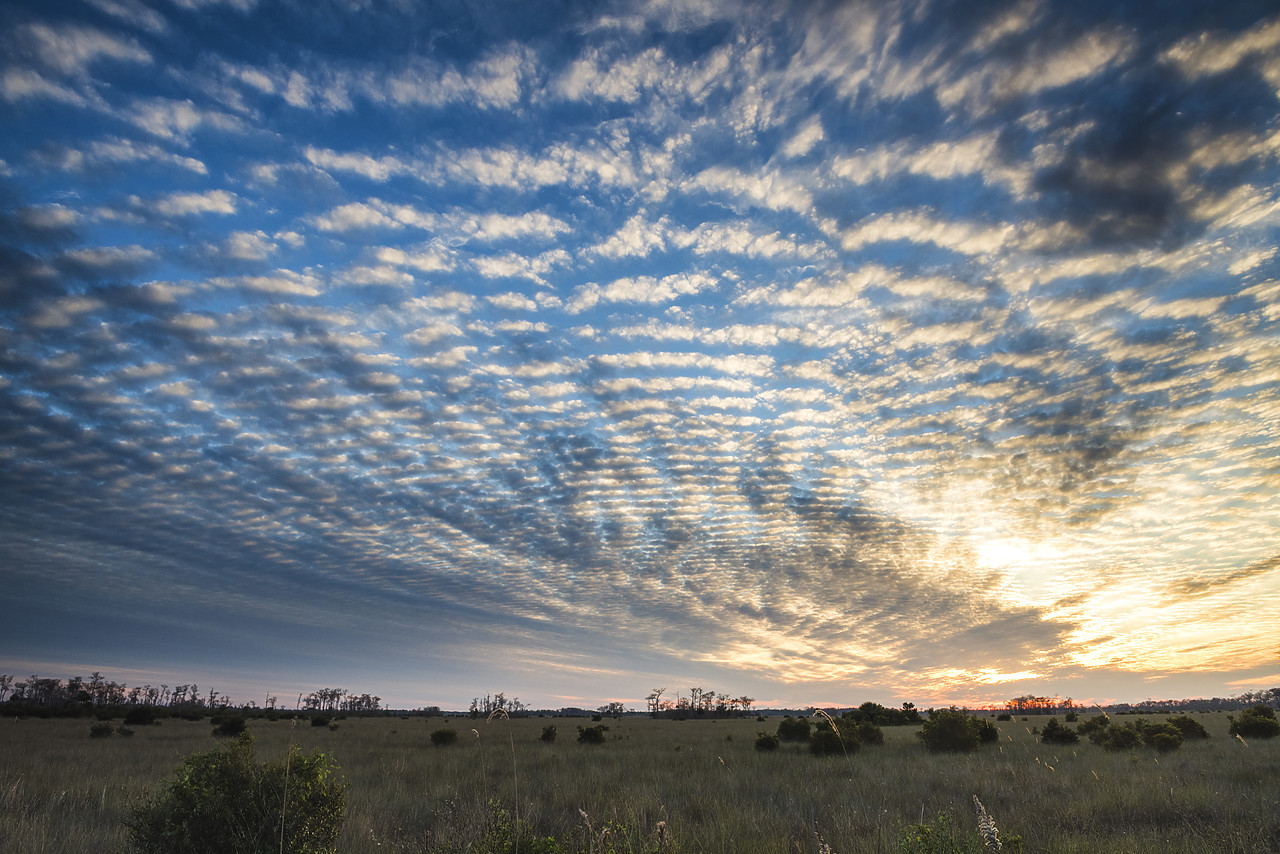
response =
{"points": [[693, 786]]}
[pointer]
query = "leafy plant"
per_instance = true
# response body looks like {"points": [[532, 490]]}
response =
{"points": [[226, 801], [793, 729], [592, 734], [1256, 722], [1056, 733], [1189, 727], [953, 731], [548, 734], [101, 730], [766, 742], [228, 726], [444, 737]]}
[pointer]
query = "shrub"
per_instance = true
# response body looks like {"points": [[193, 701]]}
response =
{"points": [[1256, 722], [229, 726], [320, 720], [142, 716], [548, 734], [793, 729], [592, 734], [1056, 733], [124, 731], [1117, 737], [827, 739], [870, 734], [1004, 716], [953, 731], [766, 742], [101, 730], [1095, 729], [1189, 727], [1072, 717], [444, 737], [226, 801]]}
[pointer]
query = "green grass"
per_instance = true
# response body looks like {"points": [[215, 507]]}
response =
{"points": [[61, 791]]}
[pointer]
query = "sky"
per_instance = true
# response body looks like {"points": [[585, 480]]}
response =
{"points": [[814, 352]]}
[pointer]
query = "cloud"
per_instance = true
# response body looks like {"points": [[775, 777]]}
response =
{"points": [[189, 204], [71, 49]]}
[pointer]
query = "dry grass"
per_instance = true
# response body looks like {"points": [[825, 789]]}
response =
{"points": [[697, 787]]}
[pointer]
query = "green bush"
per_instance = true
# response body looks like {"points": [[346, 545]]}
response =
{"points": [[1056, 733], [1118, 737], [827, 740], [793, 729], [142, 716], [548, 734], [101, 730], [592, 734], [1189, 727], [870, 734], [1095, 729], [953, 731], [1256, 722], [766, 742], [226, 802], [228, 726], [444, 737], [320, 720]]}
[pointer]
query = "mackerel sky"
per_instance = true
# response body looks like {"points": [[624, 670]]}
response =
{"points": [[818, 352]]}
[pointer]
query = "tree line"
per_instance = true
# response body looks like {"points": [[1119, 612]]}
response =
{"points": [[96, 692]]}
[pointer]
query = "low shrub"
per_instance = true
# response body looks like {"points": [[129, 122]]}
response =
{"points": [[828, 740], [101, 730], [1189, 727], [548, 734], [320, 720], [953, 731], [592, 734], [142, 716], [766, 742], [1256, 722], [226, 801], [1056, 733], [793, 729], [231, 725], [444, 737], [870, 734]]}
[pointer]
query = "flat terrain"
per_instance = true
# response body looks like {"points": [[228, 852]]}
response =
{"points": [[61, 791]]}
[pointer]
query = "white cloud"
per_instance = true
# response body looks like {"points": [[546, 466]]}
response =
{"points": [[921, 227], [768, 189], [279, 283], [353, 217], [433, 333], [1214, 53], [512, 301], [73, 48], [805, 139], [379, 169], [178, 120], [17, 84], [187, 204], [432, 260], [637, 237], [248, 246]]}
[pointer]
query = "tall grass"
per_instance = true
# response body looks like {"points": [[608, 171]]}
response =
{"points": [[697, 787]]}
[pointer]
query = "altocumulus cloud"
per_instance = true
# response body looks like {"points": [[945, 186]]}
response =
{"points": [[893, 350]]}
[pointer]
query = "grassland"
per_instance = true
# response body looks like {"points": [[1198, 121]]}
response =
{"points": [[61, 791]]}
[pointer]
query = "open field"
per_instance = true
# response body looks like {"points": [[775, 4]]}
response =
{"points": [[61, 791]]}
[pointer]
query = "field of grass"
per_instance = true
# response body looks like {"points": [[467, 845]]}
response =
{"points": [[62, 791]]}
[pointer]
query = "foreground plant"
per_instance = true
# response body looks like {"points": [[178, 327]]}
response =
{"points": [[226, 802]]}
